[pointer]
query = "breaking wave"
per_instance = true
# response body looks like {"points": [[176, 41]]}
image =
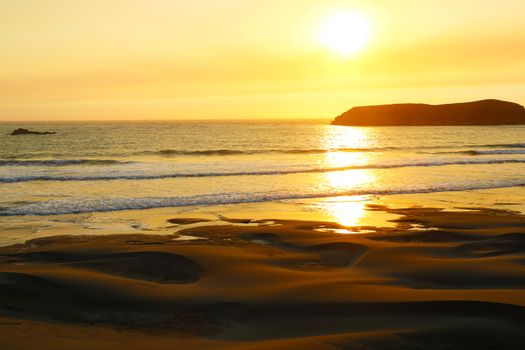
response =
{"points": [[60, 162], [146, 176]]}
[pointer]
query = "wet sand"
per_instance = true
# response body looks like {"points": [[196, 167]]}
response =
{"points": [[434, 279]]}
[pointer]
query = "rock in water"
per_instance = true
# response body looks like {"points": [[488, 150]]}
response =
{"points": [[22, 131], [485, 112]]}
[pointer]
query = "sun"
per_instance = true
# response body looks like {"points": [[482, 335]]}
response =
{"points": [[345, 32]]}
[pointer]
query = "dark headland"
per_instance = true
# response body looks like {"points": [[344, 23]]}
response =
{"points": [[485, 112]]}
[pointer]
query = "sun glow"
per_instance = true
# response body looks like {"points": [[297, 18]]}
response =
{"points": [[345, 32]]}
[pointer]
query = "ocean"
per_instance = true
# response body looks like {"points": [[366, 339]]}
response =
{"points": [[103, 167]]}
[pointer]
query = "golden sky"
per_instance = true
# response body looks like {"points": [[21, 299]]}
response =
{"points": [[244, 59]]}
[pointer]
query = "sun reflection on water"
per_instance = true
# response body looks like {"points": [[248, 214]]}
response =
{"points": [[342, 159], [347, 210], [348, 137]]}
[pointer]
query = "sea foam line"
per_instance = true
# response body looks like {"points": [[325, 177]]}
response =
{"points": [[85, 205]]}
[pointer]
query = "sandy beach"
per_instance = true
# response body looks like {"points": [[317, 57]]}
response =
{"points": [[433, 279]]}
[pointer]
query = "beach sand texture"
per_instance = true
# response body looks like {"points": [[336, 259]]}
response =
{"points": [[436, 280]]}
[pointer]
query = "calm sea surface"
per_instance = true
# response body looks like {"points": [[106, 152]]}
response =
{"points": [[108, 167]]}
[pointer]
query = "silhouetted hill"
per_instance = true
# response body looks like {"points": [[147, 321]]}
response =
{"points": [[485, 112]]}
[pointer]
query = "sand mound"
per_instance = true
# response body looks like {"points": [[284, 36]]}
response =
{"points": [[431, 236], [150, 266], [20, 286], [332, 254]]}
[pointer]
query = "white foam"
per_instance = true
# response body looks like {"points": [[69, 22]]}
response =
{"points": [[85, 205]]}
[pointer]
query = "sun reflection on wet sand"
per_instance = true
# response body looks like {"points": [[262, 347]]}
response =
{"points": [[347, 210], [351, 211]]}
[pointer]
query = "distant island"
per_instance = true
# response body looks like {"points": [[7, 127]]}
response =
{"points": [[485, 112], [22, 131]]}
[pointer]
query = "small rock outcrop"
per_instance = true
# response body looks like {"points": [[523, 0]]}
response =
{"points": [[22, 131], [485, 112]]}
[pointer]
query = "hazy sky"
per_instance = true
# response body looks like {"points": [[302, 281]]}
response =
{"points": [[171, 59]]}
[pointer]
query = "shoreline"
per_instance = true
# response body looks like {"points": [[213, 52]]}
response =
{"points": [[453, 276], [349, 210]]}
